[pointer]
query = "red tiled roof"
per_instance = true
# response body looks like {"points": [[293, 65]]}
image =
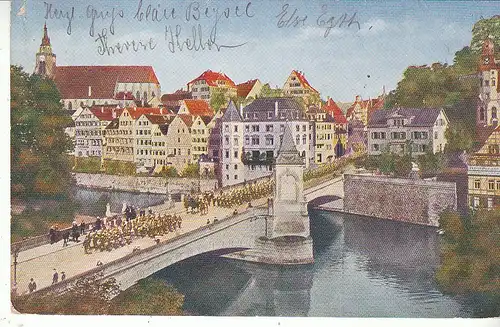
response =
{"points": [[176, 96], [106, 113], [157, 119], [124, 96], [303, 81], [199, 108], [245, 88], [73, 81], [332, 108], [187, 119], [139, 111], [211, 77]]}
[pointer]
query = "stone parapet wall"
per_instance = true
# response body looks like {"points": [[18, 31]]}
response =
{"points": [[143, 183], [407, 200]]}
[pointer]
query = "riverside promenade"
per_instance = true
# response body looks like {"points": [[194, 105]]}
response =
{"points": [[39, 263]]}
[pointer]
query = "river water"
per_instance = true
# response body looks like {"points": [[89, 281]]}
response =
{"points": [[363, 268]]}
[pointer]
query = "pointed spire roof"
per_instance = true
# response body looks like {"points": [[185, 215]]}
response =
{"points": [[231, 114], [288, 154], [45, 39]]}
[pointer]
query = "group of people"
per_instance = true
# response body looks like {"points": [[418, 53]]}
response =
{"points": [[230, 198], [240, 195], [123, 232]]}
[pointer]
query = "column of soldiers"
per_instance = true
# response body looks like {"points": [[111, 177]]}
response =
{"points": [[237, 196], [121, 235]]}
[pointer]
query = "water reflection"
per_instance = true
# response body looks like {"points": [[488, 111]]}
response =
{"points": [[93, 202], [363, 267]]}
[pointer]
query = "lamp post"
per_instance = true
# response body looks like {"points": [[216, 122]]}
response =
{"points": [[15, 253]]}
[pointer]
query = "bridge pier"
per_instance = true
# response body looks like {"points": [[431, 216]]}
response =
{"points": [[287, 240]]}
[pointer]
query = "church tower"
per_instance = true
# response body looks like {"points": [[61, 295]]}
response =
{"points": [[45, 59], [487, 115]]}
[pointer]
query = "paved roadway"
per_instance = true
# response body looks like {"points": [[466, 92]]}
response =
{"points": [[39, 263]]}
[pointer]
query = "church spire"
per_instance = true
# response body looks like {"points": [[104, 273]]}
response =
{"points": [[45, 39]]}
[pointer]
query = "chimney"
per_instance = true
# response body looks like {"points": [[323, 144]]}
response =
{"points": [[241, 110], [102, 110], [276, 109], [161, 111], [142, 102], [358, 98], [90, 91], [113, 114]]}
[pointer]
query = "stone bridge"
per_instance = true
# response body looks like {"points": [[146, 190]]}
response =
{"points": [[232, 234]]}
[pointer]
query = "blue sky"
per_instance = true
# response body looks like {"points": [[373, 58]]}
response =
{"points": [[391, 36]]}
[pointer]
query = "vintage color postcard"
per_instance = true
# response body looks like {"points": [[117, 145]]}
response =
{"points": [[323, 158]]}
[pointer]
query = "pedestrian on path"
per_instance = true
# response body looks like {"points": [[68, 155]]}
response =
{"points": [[55, 277], [63, 276], [32, 286]]}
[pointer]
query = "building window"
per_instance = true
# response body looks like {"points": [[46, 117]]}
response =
{"points": [[235, 141], [235, 167], [226, 139], [493, 113], [297, 128], [235, 177], [247, 140], [477, 184], [227, 154], [255, 140], [304, 139], [498, 185], [227, 177], [236, 128], [490, 203], [236, 154], [226, 128], [269, 128], [304, 128], [255, 128], [435, 135], [269, 115], [491, 185], [297, 139], [475, 203], [481, 113], [375, 147], [269, 140], [282, 128]]}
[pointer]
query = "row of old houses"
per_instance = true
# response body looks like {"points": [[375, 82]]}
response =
{"points": [[120, 114]]}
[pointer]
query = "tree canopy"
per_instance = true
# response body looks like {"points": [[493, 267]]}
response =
{"points": [[470, 253], [453, 87], [39, 145]]}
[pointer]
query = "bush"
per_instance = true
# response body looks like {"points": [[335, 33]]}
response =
{"points": [[191, 170], [169, 171], [89, 165], [117, 167]]}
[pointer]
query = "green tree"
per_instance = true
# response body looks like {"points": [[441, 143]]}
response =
{"points": [[218, 99], [148, 297], [39, 145], [268, 92], [402, 166], [483, 29], [430, 164], [470, 253], [191, 170]]}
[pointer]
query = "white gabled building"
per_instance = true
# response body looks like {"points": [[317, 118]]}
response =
{"points": [[407, 130]]}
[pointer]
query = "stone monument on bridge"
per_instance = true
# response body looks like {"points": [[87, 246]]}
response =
{"points": [[287, 239]]}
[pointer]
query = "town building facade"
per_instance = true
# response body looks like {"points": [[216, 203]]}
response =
{"points": [[298, 86], [204, 86], [484, 174], [414, 131]]}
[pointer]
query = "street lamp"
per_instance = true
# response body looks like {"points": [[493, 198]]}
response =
{"points": [[15, 253]]}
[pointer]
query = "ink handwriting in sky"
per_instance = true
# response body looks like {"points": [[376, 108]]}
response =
{"points": [[186, 26]]}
